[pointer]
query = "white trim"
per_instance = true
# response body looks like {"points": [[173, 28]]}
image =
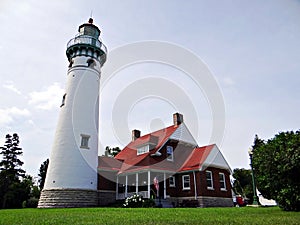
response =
{"points": [[211, 179], [183, 187], [170, 156], [224, 182], [174, 181]]}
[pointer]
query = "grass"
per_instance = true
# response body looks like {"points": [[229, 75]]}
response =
{"points": [[245, 215]]}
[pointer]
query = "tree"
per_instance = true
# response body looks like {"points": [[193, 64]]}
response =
{"points": [[11, 188], [42, 173], [276, 165], [242, 185], [111, 152]]}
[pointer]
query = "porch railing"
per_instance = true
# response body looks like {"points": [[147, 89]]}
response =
{"points": [[144, 194]]}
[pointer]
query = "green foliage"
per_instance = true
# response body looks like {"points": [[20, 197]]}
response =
{"points": [[42, 173], [124, 216], [15, 186], [10, 165], [111, 152], [134, 201], [276, 164], [137, 201], [242, 184]]}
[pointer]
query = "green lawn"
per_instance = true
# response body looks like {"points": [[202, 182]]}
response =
{"points": [[246, 215]]}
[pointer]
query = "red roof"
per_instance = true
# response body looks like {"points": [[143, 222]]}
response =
{"points": [[128, 159], [109, 163], [197, 158], [129, 153]]}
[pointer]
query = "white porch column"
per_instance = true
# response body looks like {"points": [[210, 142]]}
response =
{"points": [[126, 184], [136, 183], [195, 185], [149, 180], [117, 188], [165, 187]]}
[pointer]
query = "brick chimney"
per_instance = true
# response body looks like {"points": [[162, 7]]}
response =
{"points": [[135, 134], [177, 119]]}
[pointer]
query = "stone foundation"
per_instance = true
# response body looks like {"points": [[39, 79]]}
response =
{"points": [[106, 198], [68, 198], [201, 201]]}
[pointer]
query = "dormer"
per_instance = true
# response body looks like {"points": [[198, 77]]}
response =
{"points": [[151, 143]]}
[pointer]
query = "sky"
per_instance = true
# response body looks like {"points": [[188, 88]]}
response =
{"points": [[248, 50]]}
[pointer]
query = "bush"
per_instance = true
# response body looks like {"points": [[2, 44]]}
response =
{"points": [[137, 201], [30, 203], [134, 201]]}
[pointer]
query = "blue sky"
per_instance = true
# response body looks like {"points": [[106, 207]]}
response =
{"points": [[252, 48]]}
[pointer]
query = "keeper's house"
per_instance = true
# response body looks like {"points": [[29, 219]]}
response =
{"points": [[167, 165]]}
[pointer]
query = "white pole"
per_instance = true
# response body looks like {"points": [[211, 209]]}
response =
{"points": [[149, 184]]}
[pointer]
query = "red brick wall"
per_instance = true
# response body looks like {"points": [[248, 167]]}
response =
{"points": [[202, 190], [107, 180], [216, 192]]}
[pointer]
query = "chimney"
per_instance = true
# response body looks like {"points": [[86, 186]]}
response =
{"points": [[135, 134], [177, 119]]}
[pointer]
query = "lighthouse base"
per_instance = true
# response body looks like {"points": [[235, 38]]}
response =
{"points": [[68, 198]]}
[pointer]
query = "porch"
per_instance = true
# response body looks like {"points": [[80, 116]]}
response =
{"points": [[142, 183]]}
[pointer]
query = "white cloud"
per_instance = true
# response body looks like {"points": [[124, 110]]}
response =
{"points": [[10, 86], [228, 81], [12, 114], [48, 99]]}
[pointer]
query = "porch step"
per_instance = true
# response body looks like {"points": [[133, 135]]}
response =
{"points": [[163, 203]]}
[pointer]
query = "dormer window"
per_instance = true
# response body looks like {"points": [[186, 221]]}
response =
{"points": [[142, 149], [170, 156]]}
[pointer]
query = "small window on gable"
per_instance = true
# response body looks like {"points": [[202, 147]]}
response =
{"points": [[222, 181], [170, 153], [209, 180], [142, 149], [63, 100], [186, 182], [172, 181], [90, 62], [84, 141]]}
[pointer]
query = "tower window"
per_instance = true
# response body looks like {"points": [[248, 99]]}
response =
{"points": [[71, 63], [84, 141], [90, 62], [63, 100]]}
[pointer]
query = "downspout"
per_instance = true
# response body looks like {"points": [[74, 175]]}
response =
{"points": [[195, 185]]}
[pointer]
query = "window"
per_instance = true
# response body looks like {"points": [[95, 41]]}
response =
{"points": [[171, 181], [222, 181], [84, 141], [71, 63], [169, 153], [143, 149], [209, 180], [90, 62], [63, 100], [186, 182]]}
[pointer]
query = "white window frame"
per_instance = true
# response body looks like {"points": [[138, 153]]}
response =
{"points": [[211, 180], [172, 181], [170, 153], [84, 142], [183, 182], [142, 149], [222, 181]]}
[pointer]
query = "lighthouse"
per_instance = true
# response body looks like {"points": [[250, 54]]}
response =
{"points": [[71, 179]]}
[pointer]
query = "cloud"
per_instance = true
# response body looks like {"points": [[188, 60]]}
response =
{"points": [[48, 99], [228, 81], [10, 115], [10, 86]]}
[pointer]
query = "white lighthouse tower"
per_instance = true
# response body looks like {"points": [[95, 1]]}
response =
{"points": [[71, 179]]}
